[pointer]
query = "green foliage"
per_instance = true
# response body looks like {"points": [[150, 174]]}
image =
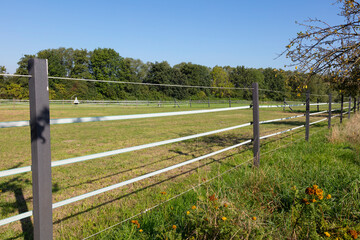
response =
{"points": [[220, 78], [107, 64]]}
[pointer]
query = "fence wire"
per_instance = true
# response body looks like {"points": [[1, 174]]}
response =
{"points": [[193, 188]]}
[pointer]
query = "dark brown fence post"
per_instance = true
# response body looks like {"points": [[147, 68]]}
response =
{"points": [[329, 115], [349, 110], [307, 116], [284, 104], [40, 149], [354, 104], [342, 108], [256, 127], [318, 101]]}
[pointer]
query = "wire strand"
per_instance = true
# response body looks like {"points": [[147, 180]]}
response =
{"points": [[141, 83], [188, 190]]}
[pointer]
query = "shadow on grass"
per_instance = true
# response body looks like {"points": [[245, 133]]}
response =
{"points": [[216, 141], [15, 185], [151, 185]]}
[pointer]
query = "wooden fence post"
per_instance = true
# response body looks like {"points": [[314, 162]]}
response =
{"points": [[284, 104], [329, 115], [40, 149], [318, 107], [342, 108], [256, 128], [354, 104], [307, 116], [349, 110]]}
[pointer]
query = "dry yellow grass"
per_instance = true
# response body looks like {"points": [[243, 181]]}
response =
{"points": [[348, 132]]}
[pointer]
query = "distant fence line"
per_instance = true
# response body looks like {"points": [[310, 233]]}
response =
{"points": [[41, 151], [135, 102]]}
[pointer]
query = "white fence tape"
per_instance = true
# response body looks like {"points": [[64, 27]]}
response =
{"points": [[121, 184], [119, 117], [119, 151]]}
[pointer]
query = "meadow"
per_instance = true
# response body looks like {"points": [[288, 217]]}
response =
{"points": [[89, 216]]}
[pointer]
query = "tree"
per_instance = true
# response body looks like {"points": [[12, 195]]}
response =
{"points": [[220, 78], [195, 75], [2, 82], [163, 73], [274, 80], [332, 51], [107, 64]]}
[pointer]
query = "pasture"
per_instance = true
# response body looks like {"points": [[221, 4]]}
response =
{"points": [[82, 218]]}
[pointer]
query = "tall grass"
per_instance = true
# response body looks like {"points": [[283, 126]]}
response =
{"points": [[349, 132]]}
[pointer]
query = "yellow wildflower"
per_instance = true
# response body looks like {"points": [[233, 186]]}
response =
{"points": [[328, 196], [313, 200], [173, 227], [320, 197], [327, 234], [223, 218], [163, 193], [319, 191], [225, 205], [188, 212], [315, 187], [254, 218], [354, 234], [193, 207], [140, 230], [310, 191]]}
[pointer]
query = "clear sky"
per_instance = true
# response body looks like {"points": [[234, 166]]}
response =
{"points": [[206, 32]]}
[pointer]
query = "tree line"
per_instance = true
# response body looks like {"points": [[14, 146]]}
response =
{"points": [[107, 64]]}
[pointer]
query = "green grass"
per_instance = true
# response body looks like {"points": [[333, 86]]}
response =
{"points": [[264, 193], [94, 214]]}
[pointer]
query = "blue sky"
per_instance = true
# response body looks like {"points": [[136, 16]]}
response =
{"points": [[249, 33]]}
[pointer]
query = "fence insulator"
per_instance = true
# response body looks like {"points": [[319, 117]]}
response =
{"points": [[256, 128]]}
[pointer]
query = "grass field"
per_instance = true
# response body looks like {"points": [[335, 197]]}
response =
{"points": [[83, 218]]}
